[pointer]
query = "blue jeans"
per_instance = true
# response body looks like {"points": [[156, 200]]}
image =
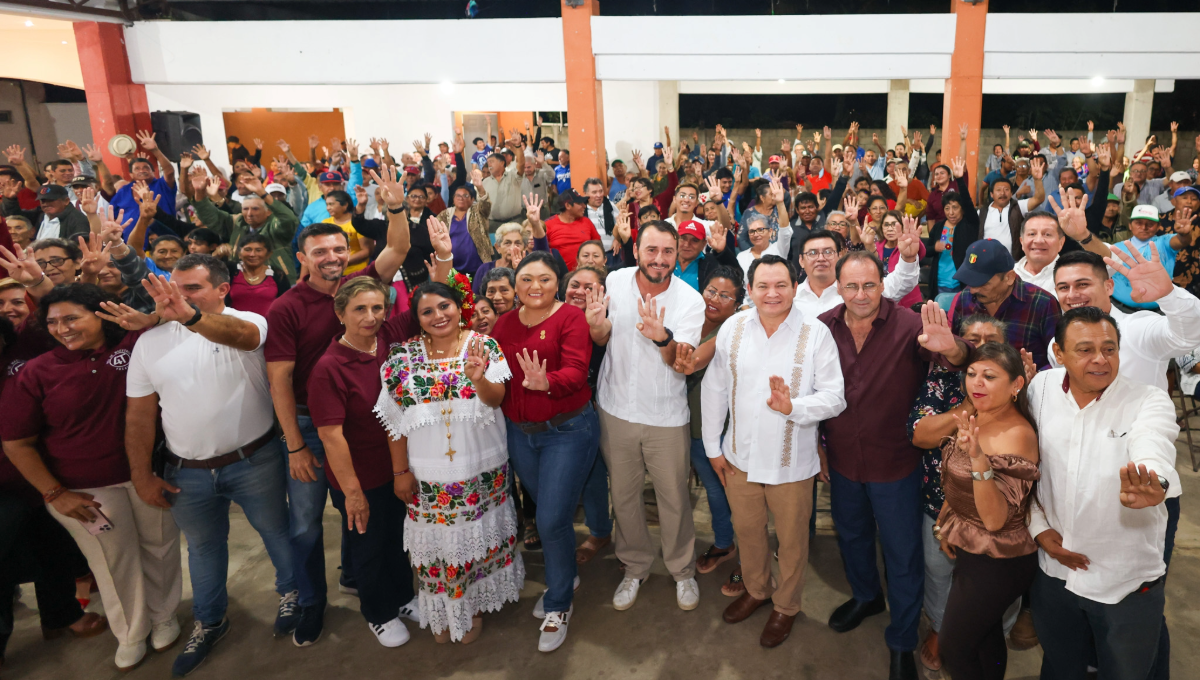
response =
{"points": [[201, 509], [896, 508], [595, 500], [718, 506], [554, 465], [306, 502]]}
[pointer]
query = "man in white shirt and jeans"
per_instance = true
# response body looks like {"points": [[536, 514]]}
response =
{"points": [[205, 368], [787, 367], [1107, 461], [644, 413]]}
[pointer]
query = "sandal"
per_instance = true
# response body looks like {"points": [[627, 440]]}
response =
{"points": [[735, 587], [930, 659], [532, 540], [713, 557], [591, 546]]}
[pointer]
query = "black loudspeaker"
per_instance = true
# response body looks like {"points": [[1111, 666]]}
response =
{"points": [[176, 132]]}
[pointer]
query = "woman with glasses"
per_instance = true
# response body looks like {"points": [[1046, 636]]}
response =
{"points": [[888, 248], [760, 232]]}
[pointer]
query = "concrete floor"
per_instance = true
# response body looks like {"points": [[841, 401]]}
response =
{"points": [[654, 639]]}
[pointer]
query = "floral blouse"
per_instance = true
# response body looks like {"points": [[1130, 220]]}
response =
{"points": [[941, 393]]}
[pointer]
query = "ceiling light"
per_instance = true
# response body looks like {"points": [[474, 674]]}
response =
{"points": [[28, 23], [1097, 81], [447, 87], [782, 80]]}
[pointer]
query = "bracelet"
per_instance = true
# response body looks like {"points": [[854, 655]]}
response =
{"points": [[1087, 240], [38, 283], [401, 473], [302, 447], [195, 319], [396, 211], [448, 259], [54, 493], [983, 476]]}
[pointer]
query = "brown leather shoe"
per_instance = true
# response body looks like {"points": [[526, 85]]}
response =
{"points": [[1023, 636], [740, 609], [778, 628]]}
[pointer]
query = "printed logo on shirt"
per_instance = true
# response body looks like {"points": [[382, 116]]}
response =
{"points": [[15, 366], [119, 359]]}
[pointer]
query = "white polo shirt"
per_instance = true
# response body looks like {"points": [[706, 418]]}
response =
{"points": [[635, 384], [214, 398], [1043, 279]]}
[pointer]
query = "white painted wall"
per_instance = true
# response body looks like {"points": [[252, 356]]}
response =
{"points": [[71, 122]]}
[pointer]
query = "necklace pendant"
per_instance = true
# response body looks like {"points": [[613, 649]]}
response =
{"points": [[450, 453], [543, 336]]}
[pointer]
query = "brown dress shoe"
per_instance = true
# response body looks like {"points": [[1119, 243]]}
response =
{"points": [[778, 628], [740, 609], [1023, 636]]}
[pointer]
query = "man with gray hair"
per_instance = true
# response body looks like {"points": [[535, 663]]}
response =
{"points": [[261, 214]]}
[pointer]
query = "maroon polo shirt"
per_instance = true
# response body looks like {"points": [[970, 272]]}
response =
{"points": [[31, 342], [302, 324], [343, 389], [74, 401], [869, 442]]}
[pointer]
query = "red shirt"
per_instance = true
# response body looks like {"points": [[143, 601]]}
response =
{"points": [[253, 298], [869, 442], [819, 183], [302, 324], [343, 389], [74, 401], [566, 237], [564, 343]]}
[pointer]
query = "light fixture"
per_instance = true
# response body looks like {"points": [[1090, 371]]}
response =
{"points": [[1097, 81], [28, 23], [64, 42], [782, 80], [447, 87]]}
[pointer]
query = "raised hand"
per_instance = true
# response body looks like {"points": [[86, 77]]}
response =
{"points": [[717, 235], [148, 204], [652, 324], [1085, 147], [313, 141], [93, 154], [962, 131], [87, 200], [1037, 167], [959, 166], [776, 189], [968, 435], [169, 304], [477, 360], [213, 187], [1071, 216], [534, 370], [685, 359], [1030, 367], [714, 188], [125, 316], [1091, 126], [21, 266], [112, 228], [200, 151], [597, 305], [146, 137], [439, 237], [258, 143], [827, 132], [850, 204], [94, 255], [668, 157], [1033, 133], [533, 207], [391, 188], [622, 228], [1148, 279], [935, 331], [1006, 129], [1174, 126], [781, 397], [909, 242], [1140, 487], [901, 175], [15, 154]]}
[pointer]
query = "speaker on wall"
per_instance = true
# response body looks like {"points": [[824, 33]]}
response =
{"points": [[176, 132]]}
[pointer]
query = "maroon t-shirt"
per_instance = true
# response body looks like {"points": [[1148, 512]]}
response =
{"points": [[343, 389], [31, 342], [74, 402], [302, 324], [253, 298]]}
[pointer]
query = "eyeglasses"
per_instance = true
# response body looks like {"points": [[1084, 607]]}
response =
{"points": [[836, 223], [712, 294], [53, 262], [762, 230], [827, 253], [868, 288]]}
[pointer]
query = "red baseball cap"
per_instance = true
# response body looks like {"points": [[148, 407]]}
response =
{"points": [[774, 159], [693, 228]]}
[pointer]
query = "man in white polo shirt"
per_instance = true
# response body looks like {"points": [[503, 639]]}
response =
{"points": [[644, 412], [205, 368]]}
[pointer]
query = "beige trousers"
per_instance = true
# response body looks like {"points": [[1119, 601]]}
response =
{"points": [[137, 565], [791, 504], [630, 451]]}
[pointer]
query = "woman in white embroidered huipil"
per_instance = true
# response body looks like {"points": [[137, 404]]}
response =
{"points": [[441, 392]]}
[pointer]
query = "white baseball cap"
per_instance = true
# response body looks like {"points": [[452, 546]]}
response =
{"points": [[1144, 212], [276, 187]]}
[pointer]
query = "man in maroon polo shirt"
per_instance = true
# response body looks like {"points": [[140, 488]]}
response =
{"points": [[302, 324], [875, 478]]}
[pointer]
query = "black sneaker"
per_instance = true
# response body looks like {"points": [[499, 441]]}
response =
{"points": [[198, 646], [347, 585], [289, 614], [312, 621]]}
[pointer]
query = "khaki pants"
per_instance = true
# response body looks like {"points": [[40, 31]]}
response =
{"points": [[791, 504], [137, 565], [630, 450]]}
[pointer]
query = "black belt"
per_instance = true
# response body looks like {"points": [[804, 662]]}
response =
{"points": [[534, 428], [224, 459], [302, 410]]}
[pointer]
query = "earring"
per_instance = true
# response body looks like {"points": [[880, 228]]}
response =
{"points": [[1015, 397]]}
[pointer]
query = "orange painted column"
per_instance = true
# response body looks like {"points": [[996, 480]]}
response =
{"points": [[585, 101], [964, 87], [116, 105]]}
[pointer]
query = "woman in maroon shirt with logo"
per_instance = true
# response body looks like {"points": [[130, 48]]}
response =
{"points": [[64, 429], [553, 431]]}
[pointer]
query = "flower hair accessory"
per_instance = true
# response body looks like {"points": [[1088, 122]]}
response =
{"points": [[462, 283]]}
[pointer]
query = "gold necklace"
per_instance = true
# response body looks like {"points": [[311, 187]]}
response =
{"points": [[253, 279], [429, 343], [447, 411], [544, 317], [351, 345]]}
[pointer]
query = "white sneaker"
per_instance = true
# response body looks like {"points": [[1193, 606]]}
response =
{"points": [[552, 640], [626, 593], [390, 634], [412, 610], [687, 594], [164, 635], [130, 657], [539, 609]]}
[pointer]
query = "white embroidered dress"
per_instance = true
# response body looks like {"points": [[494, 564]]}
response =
{"points": [[461, 532]]}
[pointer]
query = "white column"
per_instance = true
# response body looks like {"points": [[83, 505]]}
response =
{"points": [[668, 111], [897, 111], [1138, 105]]}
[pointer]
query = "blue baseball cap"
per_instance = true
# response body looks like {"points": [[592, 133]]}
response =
{"points": [[658, 145], [370, 163], [983, 260], [332, 177], [1183, 190]]}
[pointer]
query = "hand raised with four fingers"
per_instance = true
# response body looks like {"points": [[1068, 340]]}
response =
{"points": [[1148, 279], [653, 317], [534, 370], [935, 332], [781, 397], [1140, 487], [477, 360]]}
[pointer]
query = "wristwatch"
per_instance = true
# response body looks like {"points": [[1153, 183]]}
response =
{"points": [[1163, 481], [664, 343], [195, 319], [982, 476]]}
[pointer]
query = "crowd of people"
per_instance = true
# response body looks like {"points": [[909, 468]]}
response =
{"points": [[458, 350]]}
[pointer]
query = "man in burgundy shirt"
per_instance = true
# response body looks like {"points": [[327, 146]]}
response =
{"points": [[302, 323], [569, 229], [875, 478]]}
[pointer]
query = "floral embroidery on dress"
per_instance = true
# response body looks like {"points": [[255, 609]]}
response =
{"points": [[411, 378], [465, 501], [440, 578]]}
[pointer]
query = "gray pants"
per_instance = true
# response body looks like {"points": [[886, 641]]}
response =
{"points": [[938, 570]]}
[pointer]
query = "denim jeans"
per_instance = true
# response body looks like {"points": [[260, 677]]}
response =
{"points": [[718, 506], [306, 505], [595, 500], [201, 509], [554, 465]]}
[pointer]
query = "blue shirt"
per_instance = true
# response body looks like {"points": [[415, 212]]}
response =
{"points": [[479, 158], [123, 200], [691, 275], [155, 269], [1122, 291], [616, 190], [945, 272], [995, 175], [562, 178]]}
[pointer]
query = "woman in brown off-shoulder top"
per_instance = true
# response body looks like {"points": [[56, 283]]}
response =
{"points": [[988, 472]]}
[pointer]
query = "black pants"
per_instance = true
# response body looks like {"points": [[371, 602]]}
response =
{"points": [[34, 547], [1126, 634], [381, 568], [972, 635]]}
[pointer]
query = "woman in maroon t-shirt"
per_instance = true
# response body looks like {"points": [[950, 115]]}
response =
{"points": [[342, 392], [255, 285], [64, 429]]}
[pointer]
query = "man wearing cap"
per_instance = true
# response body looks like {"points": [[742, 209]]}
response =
{"points": [[331, 180], [1145, 228], [618, 184], [570, 228], [55, 217], [994, 289], [1165, 201], [701, 250], [562, 171], [262, 213], [80, 182], [653, 161], [140, 170]]}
